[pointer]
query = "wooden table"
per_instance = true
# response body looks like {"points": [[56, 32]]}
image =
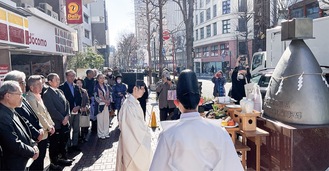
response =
{"points": [[239, 146], [256, 137]]}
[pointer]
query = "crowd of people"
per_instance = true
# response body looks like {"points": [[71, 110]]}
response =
{"points": [[54, 113]]}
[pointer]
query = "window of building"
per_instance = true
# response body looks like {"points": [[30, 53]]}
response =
{"points": [[87, 33], [85, 18], [214, 50], [196, 20], [198, 52], [226, 26], [214, 28], [202, 33], [205, 52], [214, 10], [208, 30], [207, 1], [297, 13], [208, 14], [196, 34], [201, 17], [312, 11], [226, 7], [201, 4]]}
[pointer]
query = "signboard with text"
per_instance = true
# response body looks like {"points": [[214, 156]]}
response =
{"points": [[13, 28], [74, 11]]}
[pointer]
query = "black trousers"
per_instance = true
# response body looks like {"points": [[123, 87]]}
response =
{"points": [[57, 145], [164, 113], [38, 164]]}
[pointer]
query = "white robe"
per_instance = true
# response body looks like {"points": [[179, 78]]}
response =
{"points": [[195, 144], [134, 149]]}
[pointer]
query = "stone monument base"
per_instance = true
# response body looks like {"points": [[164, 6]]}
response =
{"points": [[291, 146]]}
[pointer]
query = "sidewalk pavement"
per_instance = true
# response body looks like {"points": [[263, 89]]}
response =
{"points": [[100, 155]]}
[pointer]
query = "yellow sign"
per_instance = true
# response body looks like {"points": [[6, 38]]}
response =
{"points": [[15, 19], [3, 14], [73, 7]]}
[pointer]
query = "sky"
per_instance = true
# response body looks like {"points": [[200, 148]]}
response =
{"points": [[121, 19]]}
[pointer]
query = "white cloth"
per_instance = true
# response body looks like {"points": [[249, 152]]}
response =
{"points": [[193, 143], [103, 123], [134, 149]]}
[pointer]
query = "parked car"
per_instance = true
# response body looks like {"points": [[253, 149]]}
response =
{"points": [[262, 78]]}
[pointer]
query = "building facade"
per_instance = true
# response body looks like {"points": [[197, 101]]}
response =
{"points": [[223, 30]]}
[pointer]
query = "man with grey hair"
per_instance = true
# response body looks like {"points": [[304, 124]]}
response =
{"points": [[73, 96], [25, 110], [18, 146]]}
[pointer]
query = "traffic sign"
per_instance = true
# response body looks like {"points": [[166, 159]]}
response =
{"points": [[165, 35]]}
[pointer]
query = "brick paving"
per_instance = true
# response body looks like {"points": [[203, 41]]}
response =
{"points": [[100, 155]]}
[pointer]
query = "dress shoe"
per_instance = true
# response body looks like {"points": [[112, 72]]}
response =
{"points": [[76, 148], [53, 167], [63, 162]]}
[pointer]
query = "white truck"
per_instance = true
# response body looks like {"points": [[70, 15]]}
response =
{"points": [[275, 47]]}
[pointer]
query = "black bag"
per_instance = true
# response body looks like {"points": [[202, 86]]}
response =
{"points": [[101, 108]]}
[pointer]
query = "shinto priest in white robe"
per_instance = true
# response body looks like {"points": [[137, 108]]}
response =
{"points": [[134, 149], [193, 143]]}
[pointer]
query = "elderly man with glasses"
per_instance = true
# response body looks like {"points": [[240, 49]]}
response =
{"points": [[25, 110], [15, 135]]}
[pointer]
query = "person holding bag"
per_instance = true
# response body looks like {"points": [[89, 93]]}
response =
{"points": [[240, 77], [85, 110]]}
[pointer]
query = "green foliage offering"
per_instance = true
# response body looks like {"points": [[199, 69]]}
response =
{"points": [[89, 59]]}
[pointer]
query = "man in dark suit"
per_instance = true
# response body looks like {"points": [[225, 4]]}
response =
{"points": [[89, 84], [15, 136], [59, 110], [73, 95], [25, 110]]}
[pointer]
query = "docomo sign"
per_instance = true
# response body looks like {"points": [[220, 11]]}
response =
{"points": [[37, 41], [165, 35]]}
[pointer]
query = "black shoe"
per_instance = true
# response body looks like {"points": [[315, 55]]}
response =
{"points": [[76, 148], [53, 167], [63, 162]]}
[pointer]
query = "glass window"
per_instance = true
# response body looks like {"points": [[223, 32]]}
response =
{"points": [[205, 51], [214, 10], [208, 14], [85, 18], [297, 13], [226, 7], [312, 11], [208, 31], [214, 28], [201, 17], [196, 20], [257, 60], [201, 3], [207, 1], [196, 34], [87, 33], [226, 26], [202, 33]]}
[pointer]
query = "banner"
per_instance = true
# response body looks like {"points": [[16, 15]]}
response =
{"points": [[74, 12]]}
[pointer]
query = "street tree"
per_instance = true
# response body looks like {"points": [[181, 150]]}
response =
{"points": [[279, 10], [127, 50], [89, 59], [147, 15], [187, 8], [159, 5], [244, 26]]}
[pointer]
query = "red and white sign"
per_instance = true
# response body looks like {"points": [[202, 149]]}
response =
{"points": [[166, 35], [4, 68], [74, 11]]}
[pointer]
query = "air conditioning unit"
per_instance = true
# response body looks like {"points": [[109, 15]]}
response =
{"points": [[25, 5], [54, 15], [45, 7]]}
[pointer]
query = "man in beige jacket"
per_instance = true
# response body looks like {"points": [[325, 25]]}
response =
{"points": [[34, 98]]}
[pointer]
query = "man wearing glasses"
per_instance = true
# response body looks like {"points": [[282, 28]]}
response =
{"points": [[18, 146], [25, 110]]}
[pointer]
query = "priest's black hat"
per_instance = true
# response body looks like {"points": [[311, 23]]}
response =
{"points": [[187, 89]]}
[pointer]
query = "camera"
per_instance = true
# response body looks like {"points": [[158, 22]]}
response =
{"points": [[242, 58]]}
